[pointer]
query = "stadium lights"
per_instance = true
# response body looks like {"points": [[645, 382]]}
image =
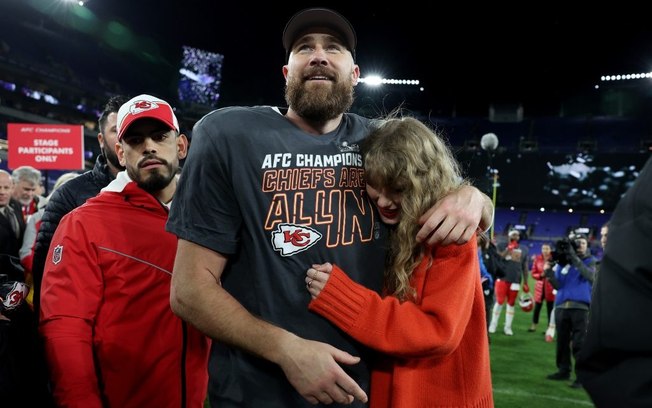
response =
{"points": [[80, 3], [626, 77], [375, 80]]}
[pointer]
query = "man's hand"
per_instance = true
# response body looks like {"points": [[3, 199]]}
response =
{"points": [[456, 217], [313, 370]]}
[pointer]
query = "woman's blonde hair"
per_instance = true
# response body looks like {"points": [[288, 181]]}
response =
{"points": [[406, 157], [65, 177]]}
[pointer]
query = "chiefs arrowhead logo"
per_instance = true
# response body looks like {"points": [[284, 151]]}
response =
{"points": [[142, 106], [15, 296], [290, 239]]}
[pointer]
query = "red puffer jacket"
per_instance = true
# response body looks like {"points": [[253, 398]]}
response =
{"points": [[543, 288]]}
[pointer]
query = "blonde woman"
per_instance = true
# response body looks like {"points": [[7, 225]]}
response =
{"points": [[429, 324]]}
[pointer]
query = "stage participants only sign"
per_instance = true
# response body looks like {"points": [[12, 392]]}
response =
{"points": [[45, 147]]}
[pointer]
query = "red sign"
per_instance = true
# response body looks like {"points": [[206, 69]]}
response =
{"points": [[45, 147]]}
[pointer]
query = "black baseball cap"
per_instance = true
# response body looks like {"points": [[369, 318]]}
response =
{"points": [[311, 18]]}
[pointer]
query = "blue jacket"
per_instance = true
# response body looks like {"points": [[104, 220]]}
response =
{"points": [[573, 285], [483, 270]]}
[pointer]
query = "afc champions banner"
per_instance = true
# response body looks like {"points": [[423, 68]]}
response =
{"points": [[45, 147]]}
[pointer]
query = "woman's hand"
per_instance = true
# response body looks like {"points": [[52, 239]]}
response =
{"points": [[316, 278]]}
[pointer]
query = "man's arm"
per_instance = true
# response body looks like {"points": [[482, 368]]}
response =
{"points": [[310, 366], [456, 217], [72, 292], [59, 204], [549, 273], [587, 271]]}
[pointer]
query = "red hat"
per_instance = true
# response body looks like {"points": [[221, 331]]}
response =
{"points": [[315, 18], [145, 106]]}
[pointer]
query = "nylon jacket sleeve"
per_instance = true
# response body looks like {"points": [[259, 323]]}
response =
{"points": [[433, 327], [537, 268], [71, 293], [586, 267], [28, 239]]}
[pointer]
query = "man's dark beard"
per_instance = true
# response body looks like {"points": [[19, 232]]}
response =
{"points": [[156, 180], [112, 158], [321, 104]]}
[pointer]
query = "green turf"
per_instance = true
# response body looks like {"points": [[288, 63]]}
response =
{"points": [[520, 364]]}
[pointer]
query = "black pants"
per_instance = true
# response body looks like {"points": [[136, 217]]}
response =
{"points": [[537, 311], [571, 331], [488, 305]]}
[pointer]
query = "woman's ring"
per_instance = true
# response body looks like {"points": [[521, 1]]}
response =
{"points": [[309, 283]]}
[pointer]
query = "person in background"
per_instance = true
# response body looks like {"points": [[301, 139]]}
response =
{"points": [[286, 191], [428, 322], [12, 224], [506, 289], [604, 231], [19, 386], [572, 276], [514, 242], [543, 290], [110, 337], [26, 183], [487, 274], [614, 362], [26, 252], [70, 196], [77, 191]]}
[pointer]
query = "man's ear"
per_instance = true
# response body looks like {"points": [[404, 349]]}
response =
{"points": [[182, 146], [120, 152]]}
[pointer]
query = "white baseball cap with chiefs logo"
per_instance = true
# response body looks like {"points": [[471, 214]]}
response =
{"points": [[145, 106]]}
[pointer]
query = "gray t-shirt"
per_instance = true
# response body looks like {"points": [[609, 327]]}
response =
{"points": [[276, 200]]}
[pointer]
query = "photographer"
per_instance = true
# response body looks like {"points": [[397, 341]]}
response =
{"points": [[572, 274]]}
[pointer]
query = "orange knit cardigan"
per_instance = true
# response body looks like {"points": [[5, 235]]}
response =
{"points": [[434, 351]]}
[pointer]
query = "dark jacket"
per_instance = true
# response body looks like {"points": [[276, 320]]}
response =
{"points": [[65, 199], [9, 244], [614, 362], [491, 259]]}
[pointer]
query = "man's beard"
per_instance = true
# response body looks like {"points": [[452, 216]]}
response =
{"points": [[320, 104], [25, 201], [112, 157], [155, 180]]}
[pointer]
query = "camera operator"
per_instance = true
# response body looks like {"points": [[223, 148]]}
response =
{"points": [[572, 275]]}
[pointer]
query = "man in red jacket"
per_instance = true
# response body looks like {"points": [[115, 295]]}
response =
{"points": [[110, 336]]}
